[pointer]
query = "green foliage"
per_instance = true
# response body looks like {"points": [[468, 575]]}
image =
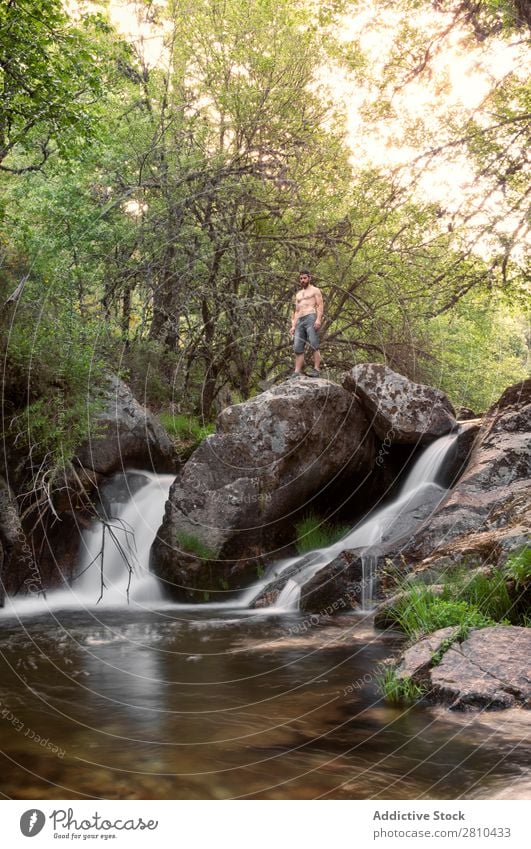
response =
{"points": [[192, 544], [52, 75], [163, 236], [487, 593], [518, 567], [479, 348], [61, 373], [466, 598], [458, 637], [186, 427], [422, 612], [314, 532], [398, 691]]}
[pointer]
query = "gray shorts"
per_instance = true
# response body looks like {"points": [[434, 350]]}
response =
{"points": [[305, 332]]}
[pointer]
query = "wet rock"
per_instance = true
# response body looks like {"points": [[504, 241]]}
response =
{"points": [[418, 659], [74, 487], [490, 669], [458, 457], [241, 491], [195, 580], [489, 509], [398, 409], [274, 586], [465, 414], [17, 562], [130, 436], [335, 587], [384, 612]]}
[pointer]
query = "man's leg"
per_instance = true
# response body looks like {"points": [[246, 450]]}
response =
{"points": [[299, 342], [314, 340], [299, 363]]}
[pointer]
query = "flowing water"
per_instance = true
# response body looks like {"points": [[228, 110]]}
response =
{"points": [[420, 490], [191, 704], [149, 699]]}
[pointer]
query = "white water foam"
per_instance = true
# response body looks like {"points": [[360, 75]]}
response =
{"points": [[419, 486], [117, 551], [123, 564]]}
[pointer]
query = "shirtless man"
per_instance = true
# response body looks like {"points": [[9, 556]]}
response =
{"points": [[305, 323]]}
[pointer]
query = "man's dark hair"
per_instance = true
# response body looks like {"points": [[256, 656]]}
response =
{"points": [[305, 271]]}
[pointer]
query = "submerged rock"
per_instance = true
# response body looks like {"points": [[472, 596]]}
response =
{"points": [[400, 410], [241, 491]]}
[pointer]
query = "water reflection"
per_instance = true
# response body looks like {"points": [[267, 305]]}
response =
{"points": [[191, 704]]}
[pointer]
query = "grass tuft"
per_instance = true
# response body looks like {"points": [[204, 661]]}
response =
{"points": [[398, 691], [488, 593], [313, 532], [422, 612], [518, 566], [186, 429]]}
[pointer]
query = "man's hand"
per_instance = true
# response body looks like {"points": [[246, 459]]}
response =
{"points": [[292, 331], [317, 324]]}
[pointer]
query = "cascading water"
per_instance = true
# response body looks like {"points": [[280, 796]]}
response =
{"points": [[114, 555], [420, 490], [114, 560]]}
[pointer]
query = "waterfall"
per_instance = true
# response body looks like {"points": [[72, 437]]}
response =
{"points": [[420, 490], [117, 551]]}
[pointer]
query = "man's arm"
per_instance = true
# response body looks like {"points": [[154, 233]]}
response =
{"points": [[294, 318], [319, 307]]}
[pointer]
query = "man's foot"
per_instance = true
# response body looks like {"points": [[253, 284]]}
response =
{"points": [[314, 372], [295, 374]]}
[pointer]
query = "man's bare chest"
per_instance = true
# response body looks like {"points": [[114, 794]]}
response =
{"points": [[305, 298]]}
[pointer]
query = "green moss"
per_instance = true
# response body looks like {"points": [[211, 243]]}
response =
{"points": [[192, 544], [460, 635]]}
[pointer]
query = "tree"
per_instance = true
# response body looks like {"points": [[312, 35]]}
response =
{"points": [[490, 136], [50, 80]]}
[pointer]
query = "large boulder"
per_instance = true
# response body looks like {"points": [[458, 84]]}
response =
{"points": [[488, 510], [127, 435], [240, 493], [400, 411], [488, 669]]}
